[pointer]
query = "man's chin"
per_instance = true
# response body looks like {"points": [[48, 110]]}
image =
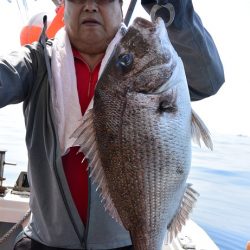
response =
{"points": [[93, 46]]}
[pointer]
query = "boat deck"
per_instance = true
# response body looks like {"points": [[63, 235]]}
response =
{"points": [[14, 206], [192, 237]]}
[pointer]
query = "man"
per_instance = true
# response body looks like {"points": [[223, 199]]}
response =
{"points": [[91, 32], [66, 209]]}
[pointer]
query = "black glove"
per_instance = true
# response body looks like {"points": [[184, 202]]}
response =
{"points": [[160, 2]]}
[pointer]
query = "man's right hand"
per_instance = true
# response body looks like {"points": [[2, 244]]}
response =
{"points": [[153, 2], [148, 4]]}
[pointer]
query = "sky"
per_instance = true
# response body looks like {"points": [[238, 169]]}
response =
{"points": [[228, 23]]}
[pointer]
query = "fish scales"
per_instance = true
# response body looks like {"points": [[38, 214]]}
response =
{"points": [[142, 122]]}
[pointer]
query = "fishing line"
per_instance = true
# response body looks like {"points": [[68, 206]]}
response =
{"points": [[20, 11]]}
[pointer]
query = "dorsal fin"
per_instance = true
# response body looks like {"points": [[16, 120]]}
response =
{"points": [[200, 131], [189, 198], [86, 139]]}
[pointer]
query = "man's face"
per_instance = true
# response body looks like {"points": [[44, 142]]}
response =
{"points": [[92, 24]]}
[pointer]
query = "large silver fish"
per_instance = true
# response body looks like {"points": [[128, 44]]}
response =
{"points": [[137, 137]]}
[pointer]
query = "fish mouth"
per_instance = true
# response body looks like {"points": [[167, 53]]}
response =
{"points": [[141, 22]]}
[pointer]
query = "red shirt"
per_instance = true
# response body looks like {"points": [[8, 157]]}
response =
{"points": [[76, 171]]}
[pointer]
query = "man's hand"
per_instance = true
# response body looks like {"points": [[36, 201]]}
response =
{"points": [[160, 2], [153, 2], [148, 4]]}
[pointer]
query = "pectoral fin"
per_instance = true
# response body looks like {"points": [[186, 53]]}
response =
{"points": [[200, 131]]}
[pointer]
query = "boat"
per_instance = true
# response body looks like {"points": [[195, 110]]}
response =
{"points": [[14, 206]]}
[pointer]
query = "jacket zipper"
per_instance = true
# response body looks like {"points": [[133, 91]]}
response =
{"points": [[60, 184], [88, 213], [47, 61]]}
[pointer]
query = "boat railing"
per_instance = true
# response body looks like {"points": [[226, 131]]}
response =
{"points": [[2, 164], [14, 206]]}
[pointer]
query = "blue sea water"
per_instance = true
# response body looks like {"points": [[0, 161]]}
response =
{"points": [[221, 176]]}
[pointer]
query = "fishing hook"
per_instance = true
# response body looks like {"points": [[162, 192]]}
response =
{"points": [[169, 7]]}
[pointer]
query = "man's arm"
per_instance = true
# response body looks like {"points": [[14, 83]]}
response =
{"points": [[195, 46], [17, 72]]}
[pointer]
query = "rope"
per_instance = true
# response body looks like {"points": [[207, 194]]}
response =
{"points": [[26, 8], [14, 228]]}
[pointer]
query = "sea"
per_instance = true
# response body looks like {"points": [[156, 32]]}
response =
{"points": [[221, 176]]}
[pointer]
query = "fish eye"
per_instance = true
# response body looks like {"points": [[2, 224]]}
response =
{"points": [[125, 61]]}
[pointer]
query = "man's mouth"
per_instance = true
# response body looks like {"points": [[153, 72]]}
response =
{"points": [[90, 21]]}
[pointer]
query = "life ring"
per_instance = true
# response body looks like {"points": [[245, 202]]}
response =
{"points": [[31, 32]]}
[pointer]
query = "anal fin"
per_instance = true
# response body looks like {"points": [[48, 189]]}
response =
{"points": [[189, 198]]}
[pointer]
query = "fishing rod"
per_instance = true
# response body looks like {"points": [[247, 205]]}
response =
{"points": [[130, 11], [57, 2]]}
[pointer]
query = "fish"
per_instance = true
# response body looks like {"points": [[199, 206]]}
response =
{"points": [[137, 136]]}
